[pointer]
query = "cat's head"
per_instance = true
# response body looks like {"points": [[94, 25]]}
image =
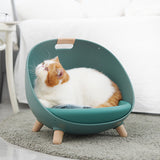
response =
{"points": [[51, 72]]}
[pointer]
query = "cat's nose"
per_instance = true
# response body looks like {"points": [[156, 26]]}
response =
{"points": [[46, 68]]}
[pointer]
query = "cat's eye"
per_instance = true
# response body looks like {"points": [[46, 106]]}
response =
{"points": [[46, 68]]}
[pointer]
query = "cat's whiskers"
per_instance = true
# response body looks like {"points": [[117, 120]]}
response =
{"points": [[32, 69], [32, 66]]}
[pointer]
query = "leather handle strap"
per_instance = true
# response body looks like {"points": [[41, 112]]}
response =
{"points": [[65, 41]]}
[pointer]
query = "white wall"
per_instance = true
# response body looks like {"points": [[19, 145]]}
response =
{"points": [[5, 6]]}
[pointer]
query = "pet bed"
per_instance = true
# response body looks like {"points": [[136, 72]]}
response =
{"points": [[79, 121]]}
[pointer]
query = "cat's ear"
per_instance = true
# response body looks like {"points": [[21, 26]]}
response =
{"points": [[56, 59]]}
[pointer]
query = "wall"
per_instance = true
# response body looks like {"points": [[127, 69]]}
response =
{"points": [[5, 6]]}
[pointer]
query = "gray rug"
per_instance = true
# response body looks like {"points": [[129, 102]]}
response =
{"points": [[142, 143]]}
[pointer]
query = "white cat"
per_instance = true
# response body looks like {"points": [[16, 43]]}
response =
{"points": [[78, 86]]}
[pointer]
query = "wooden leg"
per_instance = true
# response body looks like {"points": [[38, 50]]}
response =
{"points": [[37, 126], [122, 131], [58, 137]]}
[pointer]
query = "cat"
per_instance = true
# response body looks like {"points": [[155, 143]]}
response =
{"points": [[79, 86]]}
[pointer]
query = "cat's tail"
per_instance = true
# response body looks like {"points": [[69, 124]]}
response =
{"points": [[113, 100]]}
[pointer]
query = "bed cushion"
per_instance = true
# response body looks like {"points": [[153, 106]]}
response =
{"points": [[143, 8], [133, 40], [48, 9], [91, 116], [104, 8]]}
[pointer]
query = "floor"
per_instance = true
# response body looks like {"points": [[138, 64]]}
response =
{"points": [[12, 152]]}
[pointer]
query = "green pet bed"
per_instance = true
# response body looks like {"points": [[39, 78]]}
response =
{"points": [[79, 121]]}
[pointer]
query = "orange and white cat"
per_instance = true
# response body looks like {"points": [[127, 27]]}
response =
{"points": [[79, 86]]}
